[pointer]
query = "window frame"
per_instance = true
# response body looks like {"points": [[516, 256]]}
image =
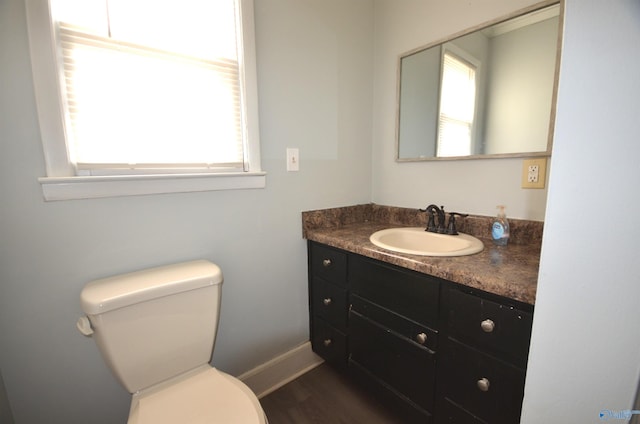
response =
{"points": [[61, 181]]}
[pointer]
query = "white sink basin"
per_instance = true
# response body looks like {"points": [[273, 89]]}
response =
{"points": [[417, 241]]}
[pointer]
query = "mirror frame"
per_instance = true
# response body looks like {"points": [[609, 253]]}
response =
{"points": [[486, 24]]}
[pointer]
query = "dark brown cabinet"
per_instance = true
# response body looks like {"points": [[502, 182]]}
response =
{"points": [[484, 357], [328, 303], [492, 326], [438, 351], [404, 368], [480, 384]]}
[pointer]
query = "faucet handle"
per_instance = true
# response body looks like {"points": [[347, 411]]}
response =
{"points": [[451, 226], [442, 217], [431, 224]]}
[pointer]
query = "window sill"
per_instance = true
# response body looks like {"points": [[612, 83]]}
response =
{"points": [[71, 188]]}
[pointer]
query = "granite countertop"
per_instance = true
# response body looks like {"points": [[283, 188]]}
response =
{"points": [[510, 271]]}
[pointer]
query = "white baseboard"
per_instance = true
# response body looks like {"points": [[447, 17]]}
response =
{"points": [[280, 370]]}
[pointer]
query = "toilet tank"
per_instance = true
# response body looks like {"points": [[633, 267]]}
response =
{"points": [[155, 324]]}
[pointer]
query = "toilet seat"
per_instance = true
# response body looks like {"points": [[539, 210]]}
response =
{"points": [[205, 396]]}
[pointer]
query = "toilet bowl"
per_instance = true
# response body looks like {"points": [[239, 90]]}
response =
{"points": [[156, 330], [204, 396]]}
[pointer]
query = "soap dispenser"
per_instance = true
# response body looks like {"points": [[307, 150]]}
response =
{"points": [[500, 228]]}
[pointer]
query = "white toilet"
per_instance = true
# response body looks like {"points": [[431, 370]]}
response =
{"points": [[156, 330]]}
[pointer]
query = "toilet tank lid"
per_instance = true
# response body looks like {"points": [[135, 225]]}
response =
{"points": [[115, 292]]}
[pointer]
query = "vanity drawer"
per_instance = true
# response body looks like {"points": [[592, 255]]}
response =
{"points": [[330, 303], [329, 264], [329, 343], [481, 384], [404, 366], [498, 328], [453, 414], [397, 289], [411, 330]]}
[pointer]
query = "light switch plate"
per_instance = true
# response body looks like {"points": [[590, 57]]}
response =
{"points": [[293, 159], [534, 172]]}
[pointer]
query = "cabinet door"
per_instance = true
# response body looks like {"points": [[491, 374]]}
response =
{"points": [[395, 361], [329, 343], [502, 330], [329, 264], [450, 413], [413, 295], [395, 322], [329, 302], [481, 384]]}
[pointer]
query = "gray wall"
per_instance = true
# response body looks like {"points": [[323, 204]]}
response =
{"points": [[418, 104], [6, 417], [521, 88], [585, 348], [315, 94]]}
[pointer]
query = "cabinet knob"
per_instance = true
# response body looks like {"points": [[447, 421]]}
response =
{"points": [[327, 342], [326, 263], [483, 384], [421, 338], [326, 301], [487, 325]]}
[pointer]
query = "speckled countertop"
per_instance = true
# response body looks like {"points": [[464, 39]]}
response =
{"points": [[510, 271]]}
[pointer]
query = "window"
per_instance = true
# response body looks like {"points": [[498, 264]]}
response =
{"points": [[141, 96], [457, 105]]}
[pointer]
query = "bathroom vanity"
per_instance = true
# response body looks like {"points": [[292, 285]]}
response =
{"points": [[445, 340]]}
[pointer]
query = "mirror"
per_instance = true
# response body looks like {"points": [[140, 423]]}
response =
{"points": [[487, 93]]}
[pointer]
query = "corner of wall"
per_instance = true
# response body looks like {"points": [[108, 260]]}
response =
{"points": [[6, 417]]}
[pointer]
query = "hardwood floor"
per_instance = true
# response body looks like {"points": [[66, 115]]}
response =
{"points": [[323, 396]]}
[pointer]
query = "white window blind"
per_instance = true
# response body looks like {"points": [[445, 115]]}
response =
{"points": [[457, 106], [151, 90]]}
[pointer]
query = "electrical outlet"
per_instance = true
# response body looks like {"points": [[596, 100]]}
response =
{"points": [[532, 175], [534, 172]]}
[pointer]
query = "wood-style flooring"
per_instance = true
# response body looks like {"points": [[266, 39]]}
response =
{"points": [[323, 396]]}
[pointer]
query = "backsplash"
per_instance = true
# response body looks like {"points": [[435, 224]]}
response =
{"points": [[521, 231]]}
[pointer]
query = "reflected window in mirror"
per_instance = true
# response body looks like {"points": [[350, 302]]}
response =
{"points": [[457, 104]]}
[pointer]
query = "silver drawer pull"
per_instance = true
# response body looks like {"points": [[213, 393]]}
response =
{"points": [[326, 301], [326, 263], [327, 342], [421, 338], [483, 384], [487, 325]]}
